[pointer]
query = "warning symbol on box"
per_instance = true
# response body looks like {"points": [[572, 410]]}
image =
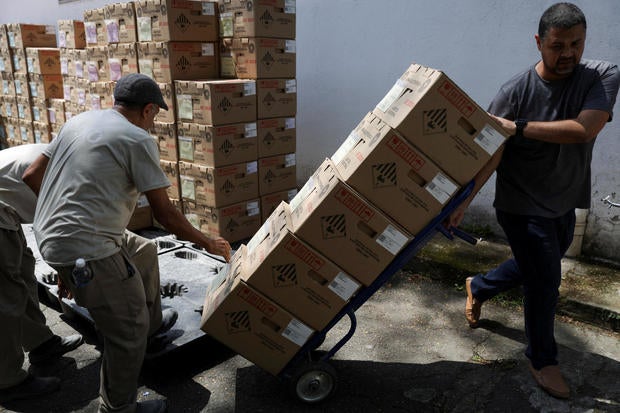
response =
{"points": [[435, 121], [384, 175], [284, 275], [334, 226], [238, 322], [231, 226]]}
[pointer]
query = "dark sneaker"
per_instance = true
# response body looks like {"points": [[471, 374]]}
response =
{"points": [[30, 388], [54, 348], [168, 318], [152, 406]]}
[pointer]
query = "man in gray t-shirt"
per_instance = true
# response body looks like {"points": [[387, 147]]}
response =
{"points": [[88, 183], [553, 111]]}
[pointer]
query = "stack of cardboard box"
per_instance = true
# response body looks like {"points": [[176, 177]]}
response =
{"points": [[389, 179], [30, 74]]}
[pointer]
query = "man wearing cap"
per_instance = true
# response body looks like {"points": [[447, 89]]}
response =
{"points": [[88, 182]]}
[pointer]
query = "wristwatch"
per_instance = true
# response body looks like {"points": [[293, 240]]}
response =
{"points": [[520, 124]]}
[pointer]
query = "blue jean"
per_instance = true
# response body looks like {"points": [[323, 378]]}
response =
{"points": [[538, 245]]}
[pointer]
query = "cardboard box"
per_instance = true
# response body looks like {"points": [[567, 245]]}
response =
{"points": [[8, 107], [269, 202], [142, 216], [122, 60], [80, 59], [166, 136], [80, 93], [46, 86], [277, 173], [168, 61], [234, 222], [71, 34], [276, 136], [6, 60], [21, 85], [251, 324], [176, 20], [7, 84], [101, 95], [333, 218], [295, 275], [68, 84], [436, 116], [18, 59], [94, 27], [24, 110], [171, 169], [39, 111], [26, 131], [56, 113], [30, 35], [42, 132], [11, 127], [4, 39], [276, 98], [97, 67], [220, 186], [167, 116], [216, 102], [43, 60], [67, 65], [262, 18], [217, 145], [392, 174], [258, 58], [120, 22]]}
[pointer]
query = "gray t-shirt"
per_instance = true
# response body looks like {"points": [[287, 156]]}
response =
{"points": [[550, 179], [17, 201], [99, 163]]}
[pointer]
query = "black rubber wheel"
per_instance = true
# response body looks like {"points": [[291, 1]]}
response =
{"points": [[314, 382]]}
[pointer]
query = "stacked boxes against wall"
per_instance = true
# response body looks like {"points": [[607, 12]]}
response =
{"points": [[30, 74], [258, 42], [389, 179]]}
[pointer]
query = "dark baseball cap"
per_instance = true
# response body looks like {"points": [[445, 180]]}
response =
{"points": [[138, 88]]}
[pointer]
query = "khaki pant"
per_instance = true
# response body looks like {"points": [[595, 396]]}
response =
{"points": [[123, 298], [23, 323]]}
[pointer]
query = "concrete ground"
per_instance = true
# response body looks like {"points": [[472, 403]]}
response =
{"points": [[412, 352]]}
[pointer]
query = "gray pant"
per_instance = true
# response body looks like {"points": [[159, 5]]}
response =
{"points": [[23, 323], [123, 299]]}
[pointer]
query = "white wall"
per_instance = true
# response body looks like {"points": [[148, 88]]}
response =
{"points": [[350, 52]]}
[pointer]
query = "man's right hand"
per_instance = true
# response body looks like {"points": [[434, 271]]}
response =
{"points": [[219, 246]]}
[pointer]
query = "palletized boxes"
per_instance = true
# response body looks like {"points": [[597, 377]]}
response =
{"points": [[392, 174], [168, 61], [218, 186], [437, 117], [71, 34], [177, 20], [216, 102], [120, 22], [94, 27], [46, 86], [259, 18], [337, 221], [43, 60], [295, 275], [276, 98], [258, 58], [22, 35], [217, 145], [234, 222], [251, 324], [97, 67]]}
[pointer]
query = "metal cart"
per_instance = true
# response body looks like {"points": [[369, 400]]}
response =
{"points": [[309, 373]]}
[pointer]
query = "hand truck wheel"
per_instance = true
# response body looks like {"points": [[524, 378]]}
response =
{"points": [[314, 382]]}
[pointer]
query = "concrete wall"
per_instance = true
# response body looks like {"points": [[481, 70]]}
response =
{"points": [[350, 52]]}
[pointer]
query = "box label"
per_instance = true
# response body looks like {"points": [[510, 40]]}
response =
{"points": [[392, 239], [344, 286], [250, 130], [441, 188], [297, 332], [392, 96], [253, 208], [489, 139]]}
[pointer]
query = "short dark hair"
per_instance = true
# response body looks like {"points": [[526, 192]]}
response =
{"points": [[560, 15]]}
